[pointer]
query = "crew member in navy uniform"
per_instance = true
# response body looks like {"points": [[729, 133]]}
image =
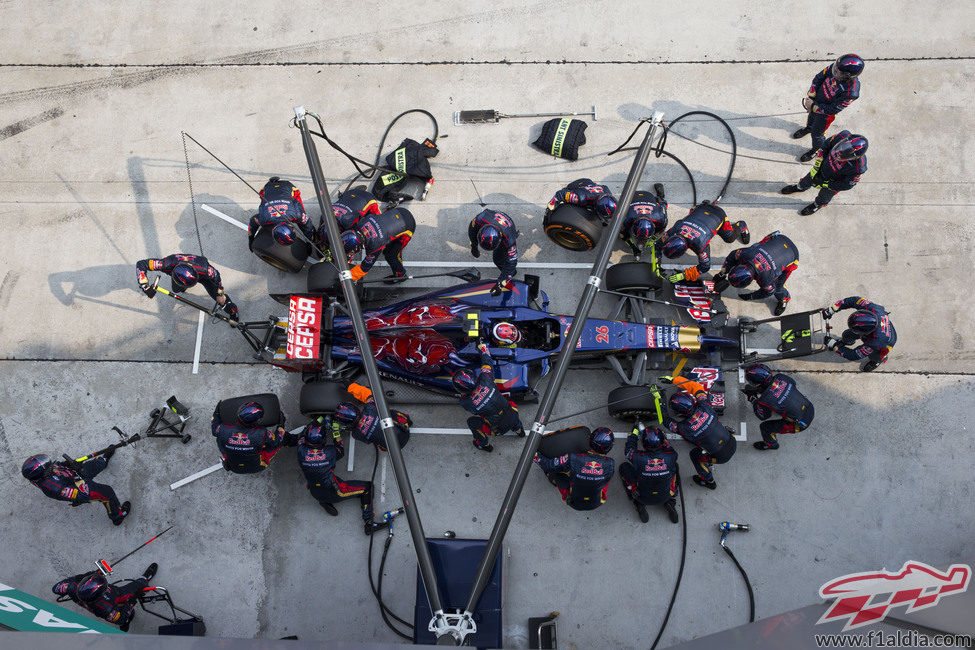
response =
{"points": [[713, 442], [281, 210], [833, 89], [495, 231], [694, 232], [776, 394], [650, 476], [870, 323], [645, 220], [62, 482], [770, 262], [245, 447], [112, 603], [317, 461], [349, 208], [387, 233], [582, 478], [586, 193], [838, 167], [492, 412], [364, 422], [186, 270]]}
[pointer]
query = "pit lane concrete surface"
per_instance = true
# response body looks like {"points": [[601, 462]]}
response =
{"points": [[92, 106]]}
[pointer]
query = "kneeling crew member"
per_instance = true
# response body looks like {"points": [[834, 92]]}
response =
{"points": [[245, 447], [770, 262], [582, 478], [699, 425], [492, 412], [871, 324], [364, 422], [62, 482], [586, 193], [387, 233], [650, 476], [186, 270], [112, 603], [348, 209], [694, 232], [317, 461], [495, 231], [645, 220], [281, 210], [838, 167], [776, 394]]}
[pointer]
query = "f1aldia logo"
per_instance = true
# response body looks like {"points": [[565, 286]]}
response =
{"points": [[916, 585]]}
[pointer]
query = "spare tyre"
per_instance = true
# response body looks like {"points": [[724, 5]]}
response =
{"points": [[632, 402], [564, 441], [632, 276], [323, 278], [573, 227], [228, 408], [321, 396], [287, 258]]}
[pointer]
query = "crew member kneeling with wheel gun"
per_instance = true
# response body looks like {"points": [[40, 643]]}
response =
{"points": [[317, 461], [365, 422], [645, 220], [770, 262], [582, 478], [245, 447], [699, 425], [776, 394], [650, 476], [113, 603], [695, 232], [493, 413]]}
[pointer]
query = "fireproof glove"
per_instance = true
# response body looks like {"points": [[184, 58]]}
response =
{"points": [[496, 289], [676, 277], [475, 250], [357, 273]]}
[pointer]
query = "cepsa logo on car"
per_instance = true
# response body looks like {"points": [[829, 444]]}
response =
{"points": [[304, 315]]}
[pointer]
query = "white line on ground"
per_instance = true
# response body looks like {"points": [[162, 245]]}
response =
{"points": [[351, 462], [761, 352], [382, 482], [199, 342], [521, 265], [229, 220], [192, 477], [744, 433]]}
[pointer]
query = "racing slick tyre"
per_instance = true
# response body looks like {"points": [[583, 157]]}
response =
{"points": [[573, 227], [632, 276], [631, 402], [323, 278], [321, 396], [564, 441], [272, 408], [286, 258]]}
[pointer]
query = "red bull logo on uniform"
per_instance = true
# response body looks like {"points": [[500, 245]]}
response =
{"points": [[592, 468]]}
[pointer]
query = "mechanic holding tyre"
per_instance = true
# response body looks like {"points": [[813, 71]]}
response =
{"points": [[365, 422], [649, 475], [495, 231], [351, 206], [186, 270], [387, 233], [582, 477], [281, 210], [713, 442], [645, 219], [770, 262], [492, 412], [245, 447], [317, 461], [694, 232], [776, 394], [871, 324]]}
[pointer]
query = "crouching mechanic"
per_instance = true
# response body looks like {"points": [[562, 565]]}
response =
{"points": [[317, 461], [838, 167], [365, 422], [582, 478], [186, 270], [699, 425], [62, 482], [246, 448], [645, 219], [776, 394], [694, 232], [585, 193], [112, 603], [492, 412], [871, 324], [495, 231], [770, 262], [349, 208], [387, 233], [282, 211], [650, 476]]}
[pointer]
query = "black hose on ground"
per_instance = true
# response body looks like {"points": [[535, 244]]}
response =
{"points": [[683, 557], [734, 146], [751, 594]]}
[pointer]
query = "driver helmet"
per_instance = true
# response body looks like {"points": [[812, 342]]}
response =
{"points": [[506, 333]]}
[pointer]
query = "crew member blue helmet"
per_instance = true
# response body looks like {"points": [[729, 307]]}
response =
{"points": [[674, 246], [758, 374], [284, 234], [847, 66], [184, 276], [682, 403], [250, 414], [601, 440], [740, 276], [862, 321]]}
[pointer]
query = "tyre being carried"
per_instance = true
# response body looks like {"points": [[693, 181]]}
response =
{"points": [[573, 227]]}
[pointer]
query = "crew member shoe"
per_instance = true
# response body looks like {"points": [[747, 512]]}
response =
{"points": [[658, 189], [671, 507], [801, 133], [124, 512], [641, 510], [790, 189], [394, 278], [150, 571], [806, 157], [743, 233], [763, 446], [487, 448], [809, 209], [780, 308], [329, 508], [371, 527], [520, 432], [711, 485]]}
